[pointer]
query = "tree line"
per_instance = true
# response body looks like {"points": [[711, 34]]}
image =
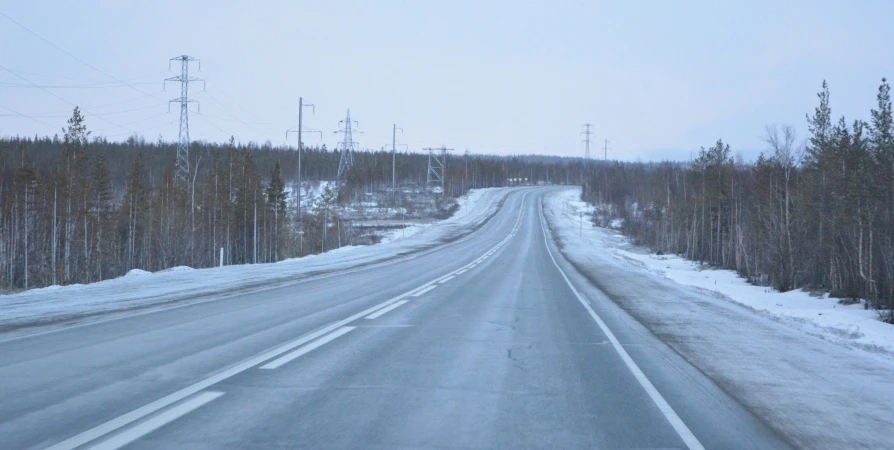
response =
{"points": [[816, 216], [76, 209]]}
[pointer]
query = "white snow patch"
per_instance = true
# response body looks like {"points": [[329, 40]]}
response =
{"points": [[137, 273], [409, 230], [141, 288], [469, 207], [845, 324], [819, 372], [311, 192]]}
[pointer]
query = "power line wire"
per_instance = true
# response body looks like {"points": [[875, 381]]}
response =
{"points": [[238, 105], [131, 123], [60, 98], [239, 119], [27, 117], [25, 72], [233, 120], [143, 130], [209, 122], [71, 55], [64, 111], [105, 85], [94, 68], [114, 113]]}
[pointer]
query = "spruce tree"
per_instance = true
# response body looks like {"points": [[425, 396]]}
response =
{"points": [[276, 201], [102, 218]]}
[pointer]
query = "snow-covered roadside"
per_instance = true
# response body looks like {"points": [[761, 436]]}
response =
{"points": [[801, 374], [140, 288], [850, 325], [466, 209], [311, 192]]}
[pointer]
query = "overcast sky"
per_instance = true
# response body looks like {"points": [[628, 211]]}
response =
{"points": [[659, 79]]}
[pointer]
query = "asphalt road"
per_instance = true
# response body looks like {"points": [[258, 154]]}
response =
{"points": [[492, 341]]}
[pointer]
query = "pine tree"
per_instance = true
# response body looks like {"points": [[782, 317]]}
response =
{"points": [[248, 194], [818, 160], [26, 191], [276, 201], [102, 219], [74, 165], [134, 223], [881, 136]]}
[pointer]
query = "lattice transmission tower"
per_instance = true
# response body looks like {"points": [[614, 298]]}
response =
{"points": [[347, 147], [437, 166], [183, 138], [587, 133]]}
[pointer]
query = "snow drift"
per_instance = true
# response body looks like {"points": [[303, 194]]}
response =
{"points": [[139, 288]]}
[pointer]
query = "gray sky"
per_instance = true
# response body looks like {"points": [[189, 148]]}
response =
{"points": [[659, 79]]}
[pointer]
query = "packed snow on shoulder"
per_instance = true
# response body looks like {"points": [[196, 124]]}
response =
{"points": [[851, 325], [818, 372], [139, 288], [137, 273], [311, 192], [468, 212]]}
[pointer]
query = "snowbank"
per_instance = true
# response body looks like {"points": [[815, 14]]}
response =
{"points": [[469, 205], [311, 192], [140, 288], [850, 325], [399, 233], [818, 372]]}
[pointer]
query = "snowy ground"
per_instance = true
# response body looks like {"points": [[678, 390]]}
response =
{"points": [[466, 209], [311, 191], [850, 325], [140, 288], [818, 372]]}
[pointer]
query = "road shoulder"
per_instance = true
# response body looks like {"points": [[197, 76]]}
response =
{"points": [[817, 394], [54, 307]]}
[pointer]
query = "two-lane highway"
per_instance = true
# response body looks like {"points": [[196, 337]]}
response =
{"points": [[491, 341]]}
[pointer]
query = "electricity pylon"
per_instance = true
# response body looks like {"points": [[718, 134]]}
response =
{"points": [[347, 146], [586, 140], [183, 138], [437, 166]]}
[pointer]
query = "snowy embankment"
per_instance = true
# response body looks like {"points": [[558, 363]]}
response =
{"points": [[818, 372], [140, 288], [465, 209], [311, 192], [850, 325]]}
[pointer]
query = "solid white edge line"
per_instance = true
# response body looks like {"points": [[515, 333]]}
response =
{"points": [[279, 362], [461, 272], [145, 410], [682, 430], [166, 417], [424, 291], [153, 310], [447, 279], [384, 311]]}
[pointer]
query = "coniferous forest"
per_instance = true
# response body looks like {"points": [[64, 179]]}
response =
{"points": [[77, 209], [815, 214], [812, 213]]}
